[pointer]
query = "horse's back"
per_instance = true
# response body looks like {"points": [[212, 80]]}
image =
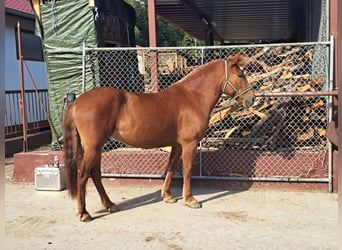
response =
{"points": [[100, 94]]}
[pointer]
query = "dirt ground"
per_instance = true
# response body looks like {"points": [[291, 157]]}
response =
{"points": [[229, 219]]}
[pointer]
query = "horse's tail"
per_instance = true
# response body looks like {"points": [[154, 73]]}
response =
{"points": [[73, 152]]}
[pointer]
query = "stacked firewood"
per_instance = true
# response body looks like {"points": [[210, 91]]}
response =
{"points": [[273, 122]]}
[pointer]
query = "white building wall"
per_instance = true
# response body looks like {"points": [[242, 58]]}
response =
{"points": [[12, 72]]}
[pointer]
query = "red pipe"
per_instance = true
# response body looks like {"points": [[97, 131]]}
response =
{"points": [[296, 93], [22, 103]]}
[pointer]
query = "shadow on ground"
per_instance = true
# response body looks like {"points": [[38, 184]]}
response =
{"points": [[153, 197]]}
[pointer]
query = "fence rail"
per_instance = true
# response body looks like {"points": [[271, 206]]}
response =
{"points": [[35, 116]]}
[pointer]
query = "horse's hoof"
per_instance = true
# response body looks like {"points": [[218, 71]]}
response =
{"points": [[169, 199], [113, 208], [85, 218], [193, 204]]}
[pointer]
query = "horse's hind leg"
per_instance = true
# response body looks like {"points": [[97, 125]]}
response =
{"points": [[173, 160], [96, 176], [82, 178], [90, 165]]}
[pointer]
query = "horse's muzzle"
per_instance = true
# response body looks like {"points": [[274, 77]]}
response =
{"points": [[248, 101]]}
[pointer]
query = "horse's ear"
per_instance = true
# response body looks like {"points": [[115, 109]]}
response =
{"points": [[241, 61], [234, 59]]}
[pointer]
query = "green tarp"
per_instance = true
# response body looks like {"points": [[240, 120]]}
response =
{"points": [[66, 25]]}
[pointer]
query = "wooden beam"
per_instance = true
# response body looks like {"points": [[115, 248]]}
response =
{"points": [[152, 27], [336, 31], [152, 30], [204, 20]]}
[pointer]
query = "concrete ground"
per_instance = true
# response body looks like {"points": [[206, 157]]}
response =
{"points": [[229, 219]]}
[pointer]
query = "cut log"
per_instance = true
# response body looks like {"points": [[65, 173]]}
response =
{"points": [[307, 135], [229, 132], [318, 80], [218, 116], [305, 88]]}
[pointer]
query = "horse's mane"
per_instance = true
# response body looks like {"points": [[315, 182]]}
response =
{"points": [[202, 69]]}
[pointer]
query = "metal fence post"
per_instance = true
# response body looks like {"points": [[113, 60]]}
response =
{"points": [[83, 66], [330, 112], [201, 150]]}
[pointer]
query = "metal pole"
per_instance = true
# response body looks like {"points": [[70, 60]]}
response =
{"points": [[201, 158], [83, 66], [201, 155], [235, 178], [22, 103], [202, 56], [297, 93], [330, 113], [202, 48]]}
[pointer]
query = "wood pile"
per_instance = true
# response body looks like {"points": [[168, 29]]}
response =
{"points": [[273, 123]]}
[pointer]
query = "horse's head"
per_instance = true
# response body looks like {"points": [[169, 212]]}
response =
{"points": [[235, 84]]}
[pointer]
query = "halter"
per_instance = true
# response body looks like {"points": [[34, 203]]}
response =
{"points": [[227, 82]]}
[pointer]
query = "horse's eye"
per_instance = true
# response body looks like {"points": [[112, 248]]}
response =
{"points": [[240, 75]]}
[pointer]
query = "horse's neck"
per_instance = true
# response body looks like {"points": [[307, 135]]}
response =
{"points": [[208, 83]]}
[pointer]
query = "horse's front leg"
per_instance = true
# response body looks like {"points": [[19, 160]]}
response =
{"points": [[176, 152], [189, 151]]}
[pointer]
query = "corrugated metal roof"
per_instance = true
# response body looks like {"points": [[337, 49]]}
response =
{"points": [[19, 5], [229, 20], [232, 19]]}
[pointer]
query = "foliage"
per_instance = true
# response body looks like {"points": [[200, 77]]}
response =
{"points": [[168, 35]]}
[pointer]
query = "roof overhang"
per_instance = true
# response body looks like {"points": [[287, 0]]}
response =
{"points": [[18, 13], [231, 20]]}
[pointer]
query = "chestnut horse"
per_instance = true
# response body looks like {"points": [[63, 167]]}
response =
{"points": [[177, 116]]}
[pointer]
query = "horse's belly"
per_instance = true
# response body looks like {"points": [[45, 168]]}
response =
{"points": [[144, 139]]}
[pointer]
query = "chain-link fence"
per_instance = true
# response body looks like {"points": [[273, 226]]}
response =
{"points": [[279, 138]]}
